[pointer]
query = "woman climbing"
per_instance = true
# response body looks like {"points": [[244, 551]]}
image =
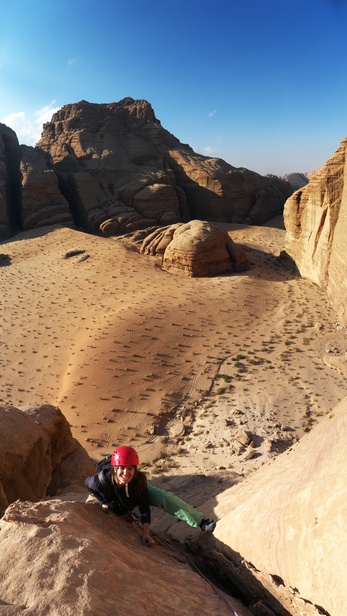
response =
{"points": [[121, 487]]}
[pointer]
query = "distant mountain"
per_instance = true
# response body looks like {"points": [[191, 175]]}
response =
{"points": [[296, 179], [112, 168]]}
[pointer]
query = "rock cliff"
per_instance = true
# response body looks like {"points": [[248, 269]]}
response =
{"points": [[76, 559], [284, 526], [315, 220], [112, 168]]}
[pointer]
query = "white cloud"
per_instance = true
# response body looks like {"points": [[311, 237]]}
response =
{"points": [[208, 151], [28, 127], [211, 113]]}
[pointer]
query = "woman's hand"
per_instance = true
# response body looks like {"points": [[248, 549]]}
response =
{"points": [[146, 537], [104, 506], [147, 540]]}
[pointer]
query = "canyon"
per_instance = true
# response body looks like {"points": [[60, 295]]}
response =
{"points": [[213, 340]]}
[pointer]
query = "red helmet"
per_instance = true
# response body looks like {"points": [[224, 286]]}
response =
{"points": [[125, 456]]}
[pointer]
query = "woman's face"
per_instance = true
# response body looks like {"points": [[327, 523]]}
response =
{"points": [[124, 474]]}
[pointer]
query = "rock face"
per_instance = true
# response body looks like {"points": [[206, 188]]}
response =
{"points": [[315, 220], [112, 169], [76, 559], [42, 202], [197, 248], [283, 528], [10, 182], [38, 455], [297, 180]]}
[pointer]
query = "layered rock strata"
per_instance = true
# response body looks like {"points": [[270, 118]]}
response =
{"points": [[112, 169], [197, 248], [316, 222]]}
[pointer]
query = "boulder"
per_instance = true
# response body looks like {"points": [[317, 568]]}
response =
{"points": [[197, 248], [316, 224], [38, 455]]}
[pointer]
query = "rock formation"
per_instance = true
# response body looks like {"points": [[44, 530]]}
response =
{"points": [[38, 455], [281, 532], [315, 220], [10, 182], [42, 202], [297, 180], [197, 248], [112, 169], [76, 559]]}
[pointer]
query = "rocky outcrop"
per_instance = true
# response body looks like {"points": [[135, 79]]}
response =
{"points": [[10, 183], [197, 248], [38, 455], [315, 220], [76, 559], [112, 168], [42, 202]]}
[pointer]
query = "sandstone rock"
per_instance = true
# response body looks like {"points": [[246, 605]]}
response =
{"points": [[10, 182], [243, 437], [199, 248], [280, 534], [118, 153], [38, 455], [315, 220], [217, 191], [158, 201], [112, 169], [42, 202], [288, 518], [76, 559], [196, 248], [176, 429], [124, 219]]}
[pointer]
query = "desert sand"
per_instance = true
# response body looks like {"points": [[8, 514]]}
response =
{"points": [[180, 368]]}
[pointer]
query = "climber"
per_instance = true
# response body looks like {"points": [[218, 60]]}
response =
{"points": [[120, 487]]}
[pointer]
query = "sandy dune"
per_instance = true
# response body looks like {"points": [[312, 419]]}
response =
{"points": [[122, 347]]}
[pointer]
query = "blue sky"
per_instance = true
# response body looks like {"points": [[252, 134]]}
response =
{"points": [[259, 83]]}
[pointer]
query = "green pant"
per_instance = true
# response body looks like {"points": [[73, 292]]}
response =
{"points": [[174, 505]]}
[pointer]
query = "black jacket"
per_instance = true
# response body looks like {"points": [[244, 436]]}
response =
{"points": [[103, 487]]}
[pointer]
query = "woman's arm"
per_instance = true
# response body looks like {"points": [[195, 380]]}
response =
{"points": [[94, 486]]}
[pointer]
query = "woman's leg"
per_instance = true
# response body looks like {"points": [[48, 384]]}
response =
{"points": [[174, 505]]}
